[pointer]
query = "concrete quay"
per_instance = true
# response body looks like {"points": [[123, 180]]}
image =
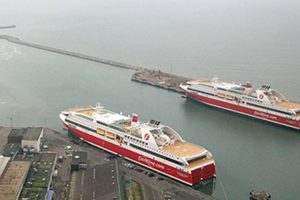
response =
{"points": [[159, 79], [70, 53]]}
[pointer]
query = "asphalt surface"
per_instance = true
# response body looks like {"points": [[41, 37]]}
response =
{"points": [[97, 183]]}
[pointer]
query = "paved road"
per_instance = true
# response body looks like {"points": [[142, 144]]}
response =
{"points": [[7, 27]]}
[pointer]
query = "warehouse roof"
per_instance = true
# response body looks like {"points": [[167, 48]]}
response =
{"points": [[13, 178], [16, 135], [33, 133], [17, 132], [3, 163]]}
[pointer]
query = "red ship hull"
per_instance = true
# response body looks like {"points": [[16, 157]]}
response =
{"points": [[193, 178], [246, 111]]}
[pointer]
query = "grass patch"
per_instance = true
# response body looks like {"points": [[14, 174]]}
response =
{"points": [[133, 190]]}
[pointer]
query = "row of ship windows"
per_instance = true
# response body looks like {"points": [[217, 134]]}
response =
{"points": [[82, 126], [137, 147], [90, 129], [238, 92], [253, 100], [207, 93], [231, 90], [136, 140], [118, 137], [200, 91], [101, 123], [110, 126]]}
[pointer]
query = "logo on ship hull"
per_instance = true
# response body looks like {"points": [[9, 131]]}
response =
{"points": [[147, 136], [150, 162], [265, 115]]}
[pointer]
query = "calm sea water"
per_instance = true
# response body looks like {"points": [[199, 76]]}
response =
{"points": [[235, 40]]}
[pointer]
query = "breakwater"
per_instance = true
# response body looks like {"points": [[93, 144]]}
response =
{"points": [[70, 53], [142, 74], [6, 27], [159, 79]]}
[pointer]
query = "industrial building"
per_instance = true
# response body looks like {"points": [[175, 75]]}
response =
{"points": [[3, 163], [79, 160], [32, 138], [13, 178], [14, 139], [16, 135]]}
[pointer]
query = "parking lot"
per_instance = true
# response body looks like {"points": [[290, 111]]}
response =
{"points": [[99, 182]]}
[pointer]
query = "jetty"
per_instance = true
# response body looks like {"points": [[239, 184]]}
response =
{"points": [[70, 53], [159, 79], [142, 74], [7, 27]]}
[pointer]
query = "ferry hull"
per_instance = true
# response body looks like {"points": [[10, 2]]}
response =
{"points": [[190, 178], [246, 111]]}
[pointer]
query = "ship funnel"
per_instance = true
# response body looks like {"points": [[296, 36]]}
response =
{"points": [[99, 107], [215, 79], [135, 118], [248, 85]]}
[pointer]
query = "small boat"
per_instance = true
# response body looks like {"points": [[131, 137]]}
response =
{"points": [[259, 195]]}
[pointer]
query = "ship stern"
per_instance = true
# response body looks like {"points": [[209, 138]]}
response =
{"points": [[203, 174]]}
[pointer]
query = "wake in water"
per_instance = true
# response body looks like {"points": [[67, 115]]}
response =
{"points": [[7, 51]]}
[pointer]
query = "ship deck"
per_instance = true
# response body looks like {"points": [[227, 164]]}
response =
{"points": [[199, 162], [287, 105], [85, 111], [183, 149]]}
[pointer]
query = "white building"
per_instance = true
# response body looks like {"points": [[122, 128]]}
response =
{"points": [[31, 141], [3, 163]]}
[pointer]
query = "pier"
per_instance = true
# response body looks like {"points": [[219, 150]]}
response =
{"points": [[70, 53], [7, 27], [142, 74], [159, 79]]}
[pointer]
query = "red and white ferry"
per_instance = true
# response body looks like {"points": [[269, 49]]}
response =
{"points": [[263, 103], [152, 144]]}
